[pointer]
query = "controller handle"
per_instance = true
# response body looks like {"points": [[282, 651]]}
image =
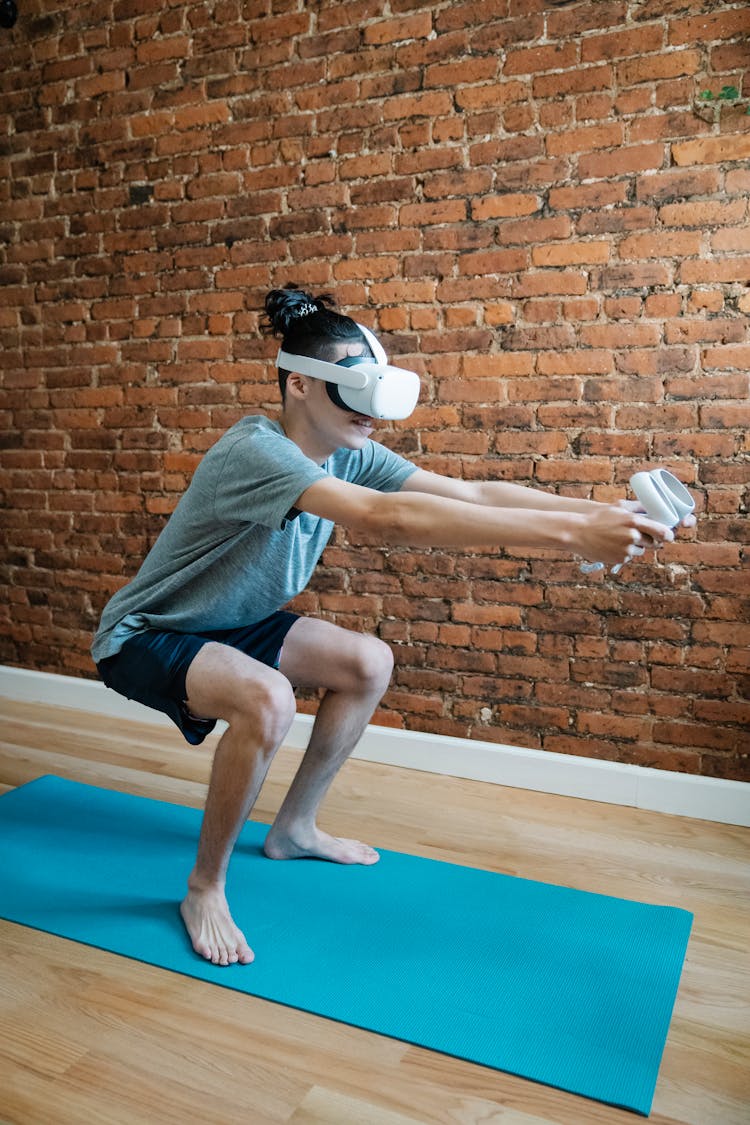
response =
{"points": [[665, 499]]}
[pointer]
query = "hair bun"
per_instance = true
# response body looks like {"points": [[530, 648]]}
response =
{"points": [[286, 307]]}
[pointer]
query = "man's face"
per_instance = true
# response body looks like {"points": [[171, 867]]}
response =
{"points": [[339, 427]]}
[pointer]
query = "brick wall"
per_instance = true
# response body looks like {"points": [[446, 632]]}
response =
{"points": [[534, 206]]}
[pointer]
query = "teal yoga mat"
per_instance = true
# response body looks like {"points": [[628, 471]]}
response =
{"points": [[568, 988]]}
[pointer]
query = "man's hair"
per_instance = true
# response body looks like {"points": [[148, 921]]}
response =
{"points": [[308, 326]]}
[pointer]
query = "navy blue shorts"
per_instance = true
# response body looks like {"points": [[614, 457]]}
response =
{"points": [[151, 667]]}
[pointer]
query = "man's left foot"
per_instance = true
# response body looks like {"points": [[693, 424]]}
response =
{"points": [[281, 845]]}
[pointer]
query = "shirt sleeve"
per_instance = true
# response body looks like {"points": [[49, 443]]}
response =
{"points": [[262, 476]]}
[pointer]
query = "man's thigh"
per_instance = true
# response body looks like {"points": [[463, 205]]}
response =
{"points": [[318, 654], [221, 680]]}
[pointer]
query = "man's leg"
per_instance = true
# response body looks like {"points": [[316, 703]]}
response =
{"points": [[258, 704], [355, 670]]}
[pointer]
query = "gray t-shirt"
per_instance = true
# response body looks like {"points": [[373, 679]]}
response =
{"points": [[235, 549]]}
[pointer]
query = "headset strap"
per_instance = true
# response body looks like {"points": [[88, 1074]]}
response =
{"points": [[322, 369]]}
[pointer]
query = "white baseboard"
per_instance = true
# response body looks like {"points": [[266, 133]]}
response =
{"points": [[704, 798]]}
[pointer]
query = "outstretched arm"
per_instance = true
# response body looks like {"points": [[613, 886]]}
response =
{"points": [[426, 519], [504, 494], [495, 493]]}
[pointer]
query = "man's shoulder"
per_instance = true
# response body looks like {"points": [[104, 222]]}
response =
{"points": [[253, 436], [253, 427], [256, 451]]}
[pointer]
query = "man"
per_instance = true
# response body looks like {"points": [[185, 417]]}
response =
{"points": [[200, 632]]}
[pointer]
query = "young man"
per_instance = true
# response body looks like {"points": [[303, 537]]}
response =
{"points": [[200, 633]]}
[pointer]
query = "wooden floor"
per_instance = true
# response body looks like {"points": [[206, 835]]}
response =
{"points": [[89, 1038]]}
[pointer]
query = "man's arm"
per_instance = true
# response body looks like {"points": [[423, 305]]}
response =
{"points": [[425, 519], [504, 494], [495, 493]]}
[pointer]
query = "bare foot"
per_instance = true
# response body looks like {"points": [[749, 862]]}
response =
{"points": [[281, 845], [211, 930]]}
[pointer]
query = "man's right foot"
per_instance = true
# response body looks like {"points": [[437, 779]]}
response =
{"points": [[211, 930]]}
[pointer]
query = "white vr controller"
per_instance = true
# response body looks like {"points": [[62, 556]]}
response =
{"points": [[665, 499]]}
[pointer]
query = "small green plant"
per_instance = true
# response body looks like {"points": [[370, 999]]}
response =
{"points": [[725, 94]]}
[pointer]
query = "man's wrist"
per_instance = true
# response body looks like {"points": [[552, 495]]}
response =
{"points": [[570, 526]]}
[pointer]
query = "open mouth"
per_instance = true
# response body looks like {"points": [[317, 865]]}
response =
{"points": [[363, 423]]}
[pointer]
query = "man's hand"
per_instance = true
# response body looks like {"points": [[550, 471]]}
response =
{"points": [[611, 534]]}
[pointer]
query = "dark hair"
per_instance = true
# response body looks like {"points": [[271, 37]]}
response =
{"points": [[308, 325]]}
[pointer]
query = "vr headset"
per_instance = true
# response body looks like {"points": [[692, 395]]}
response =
{"points": [[359, 384]]}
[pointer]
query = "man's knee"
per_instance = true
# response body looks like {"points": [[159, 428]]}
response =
{"points": [[372, 665], [267, 708]]}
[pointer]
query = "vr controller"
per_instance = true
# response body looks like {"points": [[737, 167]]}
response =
{"points": [[665, 499], [362, 385]]}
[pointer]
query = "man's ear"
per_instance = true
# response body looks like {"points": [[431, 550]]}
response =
{"points": [[297, 385]]}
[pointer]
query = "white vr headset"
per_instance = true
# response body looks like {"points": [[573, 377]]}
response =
{"points": [[362, 385]]}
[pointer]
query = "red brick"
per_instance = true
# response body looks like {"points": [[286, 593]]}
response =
{"points": [[417, 105], [617, 726], [709, 27], [588, 361], [590, 16], [464, 72], [663, 304], [537, 282], [667, 126], [100, 84], [534, 230], [731, 240], [457, 290], [731, 270], [621, 44], [722, 331], [662, 244], [649, 68], [525, 27], [468, 183], [703, 213], [656, 417], [585, 139], [577, 81], [635, 277], [419, 213], [504, 206], [408, 28], [630, 158], [553, 115], [492, 261], [725, 416], [730, 56], [587, 195], [570, 253], [712, 150], [593, 107], [502, 364], [157, 50], [212, 113], [490, 95], [558, 56], [675, 184]]}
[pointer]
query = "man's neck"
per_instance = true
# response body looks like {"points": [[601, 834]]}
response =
{"points": [[310, 442]]}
